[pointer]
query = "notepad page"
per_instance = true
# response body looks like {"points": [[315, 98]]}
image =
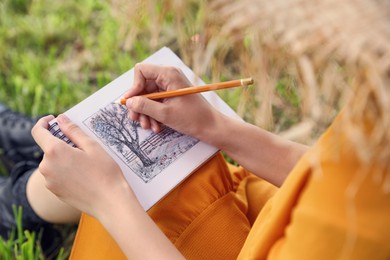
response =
{"points": [[162, 160]]}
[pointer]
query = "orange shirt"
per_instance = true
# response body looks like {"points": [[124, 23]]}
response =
{"points": [[208, 216], [328, 208]]}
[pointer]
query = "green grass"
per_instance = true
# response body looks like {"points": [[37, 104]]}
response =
{"points": [[53, 54], [24, 244]]}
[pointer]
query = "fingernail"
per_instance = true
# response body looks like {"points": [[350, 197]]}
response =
{"points": [[126, 94], [62, 119]]}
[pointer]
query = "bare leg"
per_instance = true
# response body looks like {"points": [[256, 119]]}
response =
{"points": [[46, 205]]}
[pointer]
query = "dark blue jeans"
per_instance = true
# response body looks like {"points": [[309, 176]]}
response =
{"points": [[14, 193], [20, 197]]}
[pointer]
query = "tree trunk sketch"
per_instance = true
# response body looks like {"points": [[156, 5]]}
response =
{"points": [[116, 129], [145, 153]]}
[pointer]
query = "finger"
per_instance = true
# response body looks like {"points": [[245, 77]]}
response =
{"points": [[133, 115], [144, 78], [145, 121], [153, 124], [44, 121], [142, 105], [146, 71], [156, 126], [172, 78], [73, 132], [42, 136]]}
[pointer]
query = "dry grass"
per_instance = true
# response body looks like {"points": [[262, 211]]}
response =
{"points": [[325, 55], [325, 51]]}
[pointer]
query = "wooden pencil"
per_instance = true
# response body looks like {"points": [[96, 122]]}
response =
{"points": [[193, 90]]}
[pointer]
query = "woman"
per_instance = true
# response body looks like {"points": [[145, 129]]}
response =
{"points": [[333, 199], [312, 205]]}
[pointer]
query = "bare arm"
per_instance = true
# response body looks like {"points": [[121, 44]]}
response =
{"points": [[265, 154]]}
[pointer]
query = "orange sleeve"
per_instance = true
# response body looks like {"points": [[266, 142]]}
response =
{"points": [[330, 207]]}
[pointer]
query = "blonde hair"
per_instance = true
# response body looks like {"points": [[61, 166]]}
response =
{"points": [[337, 52]]}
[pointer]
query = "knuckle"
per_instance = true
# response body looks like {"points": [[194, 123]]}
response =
{"points": [[51, 151], [43, 169], [175, 72], [33, 130], [171, 70], [72, 128], [168, 74], [139, 104], [161, 80], [138, 66]]}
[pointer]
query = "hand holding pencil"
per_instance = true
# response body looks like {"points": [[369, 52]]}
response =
{"points": [[191, 114]]}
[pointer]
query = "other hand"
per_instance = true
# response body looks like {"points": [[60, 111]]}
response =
{"points": [[85, 177]]}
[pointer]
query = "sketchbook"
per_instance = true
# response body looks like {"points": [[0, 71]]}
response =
{"points": [[153, 164]]}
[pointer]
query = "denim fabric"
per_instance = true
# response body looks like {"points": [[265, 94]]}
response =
{"points": [[20, 198]]}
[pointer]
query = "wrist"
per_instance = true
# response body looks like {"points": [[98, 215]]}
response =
{"points": [[125, 219], [115, 200], [217, 131]]}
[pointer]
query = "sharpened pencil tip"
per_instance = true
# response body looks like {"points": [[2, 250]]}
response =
{"points": [[121, 101]]}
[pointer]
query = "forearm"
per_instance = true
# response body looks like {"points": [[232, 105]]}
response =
{"points": [[46, 205], [134, 231], [265, 154]]}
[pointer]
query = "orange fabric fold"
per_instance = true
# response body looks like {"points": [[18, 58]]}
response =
{"points": [[330, 207], [207, 216]]}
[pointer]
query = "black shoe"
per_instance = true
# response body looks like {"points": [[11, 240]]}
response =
{"points": [[16, 141], [13, 192]]}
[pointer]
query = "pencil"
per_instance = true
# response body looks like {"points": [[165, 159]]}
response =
{"points": [[193, 90]]}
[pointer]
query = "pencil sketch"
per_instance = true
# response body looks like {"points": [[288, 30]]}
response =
{"points": [[146, 153]]}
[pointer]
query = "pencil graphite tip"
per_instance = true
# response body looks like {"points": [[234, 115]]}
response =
{"points": [[121, 101]]}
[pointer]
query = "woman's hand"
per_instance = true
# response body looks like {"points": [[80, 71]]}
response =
{"points": [[85, 177], [88, 179], [187, 114]]}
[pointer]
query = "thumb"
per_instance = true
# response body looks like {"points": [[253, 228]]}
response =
{"points": [[73, 131], [143, 105]]}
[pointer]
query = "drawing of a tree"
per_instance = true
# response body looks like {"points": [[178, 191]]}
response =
{"points": [[113, 126]]}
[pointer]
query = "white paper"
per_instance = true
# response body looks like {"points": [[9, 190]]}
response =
{"points": [[176, 156]]}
